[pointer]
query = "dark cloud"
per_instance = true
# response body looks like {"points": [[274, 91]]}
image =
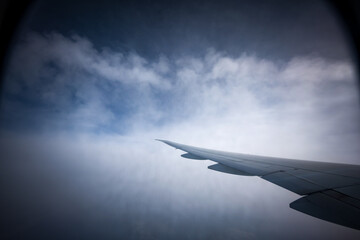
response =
{"points": [[271, 29]]}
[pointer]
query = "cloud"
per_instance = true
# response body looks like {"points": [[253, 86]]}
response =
{"points": [[134, 186], [93, 114], [69, 85], [78, 54]]}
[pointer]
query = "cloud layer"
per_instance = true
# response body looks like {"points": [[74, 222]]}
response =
{"points": [[58, 83], [85, 119]]}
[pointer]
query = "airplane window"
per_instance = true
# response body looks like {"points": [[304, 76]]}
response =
{"points": [[88, 86]]}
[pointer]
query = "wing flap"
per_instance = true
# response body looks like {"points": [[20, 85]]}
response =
{"points": [[327, 180], [305, 182], [292, 183], [352, 191]]}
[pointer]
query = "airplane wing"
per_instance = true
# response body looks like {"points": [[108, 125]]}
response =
{"points": [[331, 191]]}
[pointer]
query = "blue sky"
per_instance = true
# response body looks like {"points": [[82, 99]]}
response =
{"points": [[89, 86]]}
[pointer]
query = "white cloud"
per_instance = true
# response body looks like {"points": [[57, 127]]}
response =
{"points": [[255, 105]]}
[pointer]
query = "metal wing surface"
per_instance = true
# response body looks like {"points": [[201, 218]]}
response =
{"points": [[331, 191]]}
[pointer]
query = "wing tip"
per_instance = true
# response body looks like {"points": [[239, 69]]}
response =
{"points": [[167, 142], [161, 140]]}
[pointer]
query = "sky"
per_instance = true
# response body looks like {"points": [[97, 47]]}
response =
{"points": [[89, 86]]}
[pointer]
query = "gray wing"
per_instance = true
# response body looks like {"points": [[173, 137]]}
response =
{"points": [[331, 191]]}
